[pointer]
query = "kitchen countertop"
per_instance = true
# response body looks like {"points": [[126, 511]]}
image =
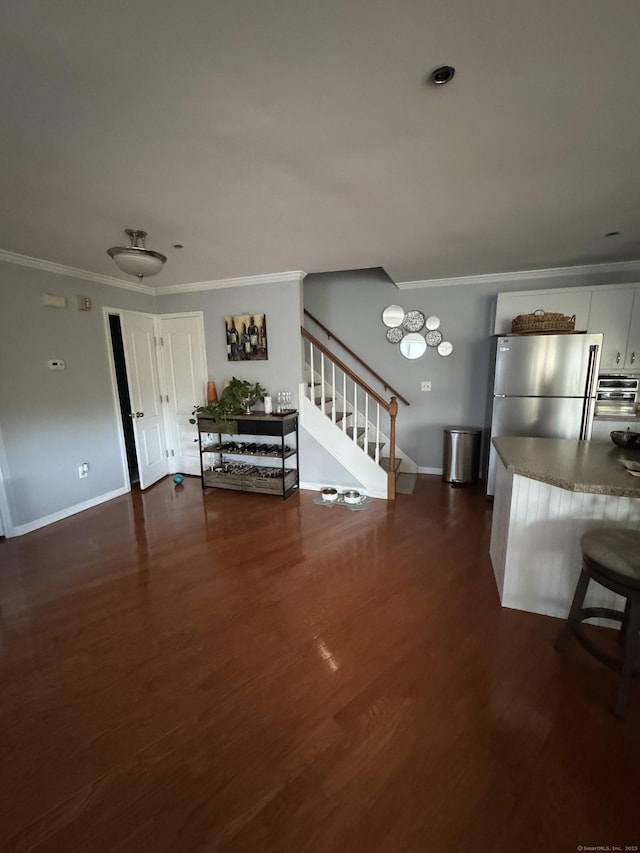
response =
{"points": [[579, 466]]}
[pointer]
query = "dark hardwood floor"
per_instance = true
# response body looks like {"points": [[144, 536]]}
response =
{"points": [[231, 672]]}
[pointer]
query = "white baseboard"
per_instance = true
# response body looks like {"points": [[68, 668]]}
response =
{"points": [[21, 529], [422, 470]]}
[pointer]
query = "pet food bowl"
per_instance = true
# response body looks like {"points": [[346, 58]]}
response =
{"points": [[329, 494], [352, 497]]}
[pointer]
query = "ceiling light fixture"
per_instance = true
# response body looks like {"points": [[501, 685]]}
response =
{"points": [[136, 259]]}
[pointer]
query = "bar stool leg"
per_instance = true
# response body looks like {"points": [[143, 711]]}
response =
{"points": [[574, 612], [631, 648]]}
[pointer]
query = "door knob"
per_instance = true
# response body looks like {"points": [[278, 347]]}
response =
{"points": [[633, 357], [139, 414], [618, 359]]}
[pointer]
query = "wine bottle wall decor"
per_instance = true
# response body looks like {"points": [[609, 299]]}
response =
{"points": [[246, 337]]}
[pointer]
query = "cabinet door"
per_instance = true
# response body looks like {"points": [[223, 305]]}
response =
{"points": [[633, 344], [610, 314]]}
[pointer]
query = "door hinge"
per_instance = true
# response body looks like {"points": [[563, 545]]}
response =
{"points": [[172, 453], [167, 453]]}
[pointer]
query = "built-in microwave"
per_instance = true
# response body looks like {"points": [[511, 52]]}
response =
{"points": [[616, 394]]}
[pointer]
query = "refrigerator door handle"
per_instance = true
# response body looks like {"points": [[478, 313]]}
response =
{"points": [[588, 392]]}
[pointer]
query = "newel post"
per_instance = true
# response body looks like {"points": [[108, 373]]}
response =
{"points": [[391, 473]]}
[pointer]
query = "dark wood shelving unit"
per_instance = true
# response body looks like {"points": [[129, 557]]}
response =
{"points": [[246, 473]]}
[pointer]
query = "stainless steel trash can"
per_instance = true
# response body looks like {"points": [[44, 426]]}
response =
{"points": [[461, 457]]}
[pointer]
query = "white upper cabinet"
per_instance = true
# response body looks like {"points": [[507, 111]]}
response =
{"points": [[633, 344], [612, 313]]}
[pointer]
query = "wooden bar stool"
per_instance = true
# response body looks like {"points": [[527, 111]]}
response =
{"points": [[611, 557]]}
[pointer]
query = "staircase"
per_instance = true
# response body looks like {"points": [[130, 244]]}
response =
{"points": [[354, 423]]}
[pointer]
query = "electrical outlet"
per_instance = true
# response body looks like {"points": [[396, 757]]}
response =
{"points": [[425, 386], [83, 470]]}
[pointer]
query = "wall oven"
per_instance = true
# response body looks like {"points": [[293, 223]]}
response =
{"points": [[616, 394]]}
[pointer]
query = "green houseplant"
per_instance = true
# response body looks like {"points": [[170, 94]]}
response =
{"points": [[236, 399]]}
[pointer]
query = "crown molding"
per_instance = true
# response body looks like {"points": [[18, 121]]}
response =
{"points": [[73, 272], [524, 275], [242, 281]]}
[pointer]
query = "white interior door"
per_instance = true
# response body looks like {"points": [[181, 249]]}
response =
{"points": [[185, 372], [144, 391]]}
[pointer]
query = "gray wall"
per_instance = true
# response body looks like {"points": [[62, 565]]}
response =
{"points": [[52, 421], [318, 467], [281, 302], [351, 305]]}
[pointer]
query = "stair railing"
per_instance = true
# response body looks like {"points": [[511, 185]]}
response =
{"points": [[330, 335], [343, 382]]}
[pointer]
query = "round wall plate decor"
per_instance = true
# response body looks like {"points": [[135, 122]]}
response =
{"points": [[445, 348], [392, 316], [433, 337], [395, 335], [413, 346], [413, 321], [432, 322]]}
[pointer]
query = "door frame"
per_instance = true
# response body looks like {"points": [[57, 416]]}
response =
{"points": [[106, 311], [114, 391], [6, 525]]}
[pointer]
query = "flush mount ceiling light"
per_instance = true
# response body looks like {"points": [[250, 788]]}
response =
{"points": [[136, 259]]}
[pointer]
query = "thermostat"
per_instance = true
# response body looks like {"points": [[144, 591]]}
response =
{"points": [[56, 364]]}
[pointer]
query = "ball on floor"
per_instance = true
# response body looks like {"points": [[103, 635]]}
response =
{"points": [[178, 479]]}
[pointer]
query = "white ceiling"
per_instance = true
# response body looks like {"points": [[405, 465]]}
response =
{"points": [[271, 135]]}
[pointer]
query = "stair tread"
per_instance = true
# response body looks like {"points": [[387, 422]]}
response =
{"points": [[372, 447], [384, 463]]}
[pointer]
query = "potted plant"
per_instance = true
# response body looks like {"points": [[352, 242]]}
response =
{"points": [[236, 399]]}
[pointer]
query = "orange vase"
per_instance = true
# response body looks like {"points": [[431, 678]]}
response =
{"points": [[212, 394]]}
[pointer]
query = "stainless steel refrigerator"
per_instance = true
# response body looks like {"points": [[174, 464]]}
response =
{"points": [[544, 385]]}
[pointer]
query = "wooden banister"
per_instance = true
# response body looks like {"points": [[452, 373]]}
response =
{"points": [[330, 335], [391, 473], [345, 369]]}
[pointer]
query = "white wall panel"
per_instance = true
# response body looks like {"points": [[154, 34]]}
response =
{"points": [[543, 557]]}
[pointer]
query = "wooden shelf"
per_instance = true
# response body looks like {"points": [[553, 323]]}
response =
{"points": [[249, 476]]}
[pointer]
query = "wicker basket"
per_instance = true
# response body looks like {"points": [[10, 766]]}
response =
{"points": [[542, 321]]}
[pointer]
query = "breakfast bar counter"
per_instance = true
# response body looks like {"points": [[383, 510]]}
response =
{"points": [[549, 491]]}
